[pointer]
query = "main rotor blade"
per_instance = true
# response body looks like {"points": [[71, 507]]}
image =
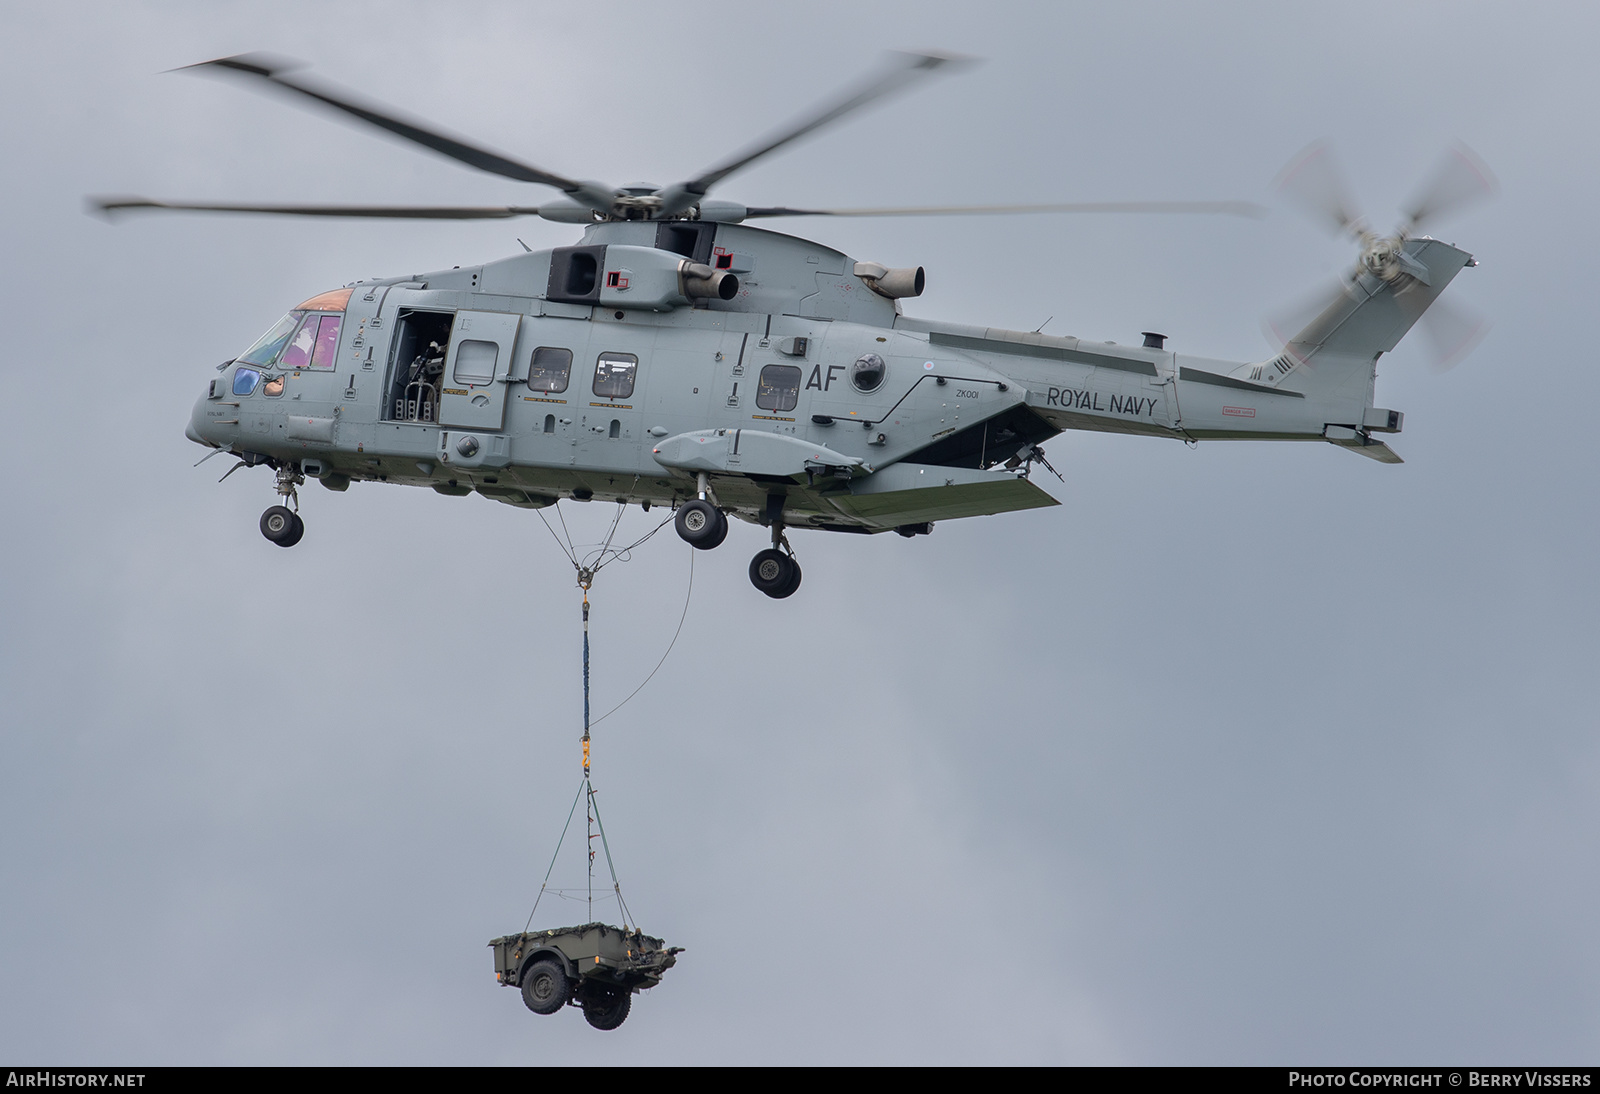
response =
{"points": [[1225, 208], [1313, 182], [272, 70], [1460, 179], [109, 206], [906, 68]]}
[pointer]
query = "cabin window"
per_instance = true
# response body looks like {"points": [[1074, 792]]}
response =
{"points": [[613, 375], [778, 388], [245, 380], [475, 361], [549, 370]]}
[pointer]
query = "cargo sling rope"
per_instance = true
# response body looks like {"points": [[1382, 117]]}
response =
{"points": [[586, 569]]}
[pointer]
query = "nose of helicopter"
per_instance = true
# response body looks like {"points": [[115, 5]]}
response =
{"points": [[197, 421]]}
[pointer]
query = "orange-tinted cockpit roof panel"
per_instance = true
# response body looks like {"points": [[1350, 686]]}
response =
{"points": [[333, 300]]}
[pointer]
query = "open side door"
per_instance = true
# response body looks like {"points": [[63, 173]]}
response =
{"points": [[472, 392]]}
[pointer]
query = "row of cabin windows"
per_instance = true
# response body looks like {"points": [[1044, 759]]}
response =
{"points": [[614, 373], [551, 369]]}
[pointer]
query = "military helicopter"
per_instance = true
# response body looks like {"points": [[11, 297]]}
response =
{"points": [[678, 356]]}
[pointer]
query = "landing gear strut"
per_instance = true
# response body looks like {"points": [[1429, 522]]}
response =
{"points": [[280, 524], [774, 571]]}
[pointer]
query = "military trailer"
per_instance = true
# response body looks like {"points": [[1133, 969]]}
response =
{"points": [[596, 966]]}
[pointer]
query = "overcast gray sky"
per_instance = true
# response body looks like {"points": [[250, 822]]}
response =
{"points": [[1243, 754]]}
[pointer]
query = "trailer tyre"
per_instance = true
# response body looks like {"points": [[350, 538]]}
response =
{"points": [[544, 987], [608, 1010]]}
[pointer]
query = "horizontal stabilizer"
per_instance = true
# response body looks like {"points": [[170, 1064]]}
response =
{"points": [[1357, 441]]}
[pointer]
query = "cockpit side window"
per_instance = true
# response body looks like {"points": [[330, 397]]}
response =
{"points": [[270, 344], [327, 346], [297, 354], [245, 380]]}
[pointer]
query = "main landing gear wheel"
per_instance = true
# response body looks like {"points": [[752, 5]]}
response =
{"points": [[775, 573], [608, 1010], [545, 988], [282, 526], [701, 524]]}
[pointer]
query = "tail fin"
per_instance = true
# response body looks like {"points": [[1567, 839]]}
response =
{"points": [[1368, 318]]}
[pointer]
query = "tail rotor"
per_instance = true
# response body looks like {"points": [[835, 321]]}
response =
{"points": [[1314, 184]]}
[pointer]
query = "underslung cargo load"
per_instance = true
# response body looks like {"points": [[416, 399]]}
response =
{"points": [[596, 966]]}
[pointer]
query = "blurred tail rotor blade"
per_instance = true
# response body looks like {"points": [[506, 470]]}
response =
{"points": [[1454, 331], [1313, 183], [1281, 326], [1460, 179]]}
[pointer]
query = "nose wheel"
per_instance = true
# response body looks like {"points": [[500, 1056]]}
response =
{"points": [[282, 526]]}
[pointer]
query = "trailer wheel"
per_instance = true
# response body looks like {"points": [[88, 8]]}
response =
{"points": [[544, 987], [608, 1009]]}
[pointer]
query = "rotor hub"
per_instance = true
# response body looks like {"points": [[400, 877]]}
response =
{"points": [[1381, 258], [636, 206]]}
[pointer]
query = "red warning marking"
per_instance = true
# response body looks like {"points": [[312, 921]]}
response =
{"points": [[1239, 411]]}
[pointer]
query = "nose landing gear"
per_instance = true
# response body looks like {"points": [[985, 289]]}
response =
{"points": [[280, 524]]}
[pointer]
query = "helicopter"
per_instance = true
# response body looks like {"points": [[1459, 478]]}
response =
{"points": [[678, 356]]}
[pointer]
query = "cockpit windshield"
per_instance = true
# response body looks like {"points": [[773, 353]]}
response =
{"points": [[266, 349], [308, 337]]}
